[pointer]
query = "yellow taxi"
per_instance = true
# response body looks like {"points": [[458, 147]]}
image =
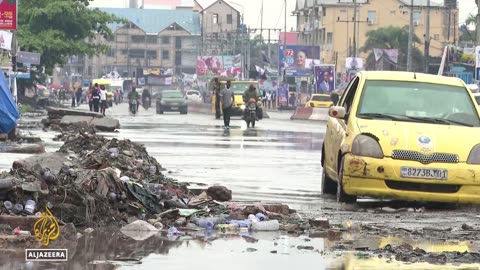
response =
{"points": [[319, 101], [403, 135]]}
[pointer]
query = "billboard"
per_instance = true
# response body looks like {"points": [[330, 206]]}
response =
{"points": [[325, 78], [8, 15], [219, 65], [298, 60], [154, 76]]}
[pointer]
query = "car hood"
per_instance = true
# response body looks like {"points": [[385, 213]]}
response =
{"points": [[421, 137]]}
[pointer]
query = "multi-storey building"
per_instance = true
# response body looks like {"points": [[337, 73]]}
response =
{"points": [[220, 29], [152, 38], [329, 24]]}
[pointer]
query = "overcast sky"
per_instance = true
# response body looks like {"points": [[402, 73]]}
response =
{"points": [[273, 16]]}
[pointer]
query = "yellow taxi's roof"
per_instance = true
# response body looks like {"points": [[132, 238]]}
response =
{"points": [[101, 81], [411, 76], [320, 95]]}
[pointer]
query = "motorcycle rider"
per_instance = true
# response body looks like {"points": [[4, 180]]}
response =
{"points": [[251, 92], [145, 95], [133, 96]]}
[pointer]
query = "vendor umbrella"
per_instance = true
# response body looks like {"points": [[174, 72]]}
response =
{"points": [[55, 86]]}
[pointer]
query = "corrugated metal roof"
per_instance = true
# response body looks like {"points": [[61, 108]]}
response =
{"points": [[153, 21]]}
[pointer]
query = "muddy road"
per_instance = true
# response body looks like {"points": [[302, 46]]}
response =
{"points": [[278, 161]]}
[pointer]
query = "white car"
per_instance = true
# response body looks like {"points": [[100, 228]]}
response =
{"points": [[193, 95]]}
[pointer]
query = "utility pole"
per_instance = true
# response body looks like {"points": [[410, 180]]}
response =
{"points": [[410, 39], [478, 22], [261, 24], [449, 22], [355, 28], [427, 38]]}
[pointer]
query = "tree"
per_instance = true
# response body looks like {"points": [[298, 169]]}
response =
{"points": [[467, 35], [58, 29], [392, 38]]}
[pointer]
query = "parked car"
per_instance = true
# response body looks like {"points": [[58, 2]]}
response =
{"points": [[171, 101], [403, 135], [193, 95], [319, 101]]}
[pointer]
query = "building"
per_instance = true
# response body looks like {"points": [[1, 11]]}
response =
{"points": [[220, 29], [153, 38], [329, 24]]}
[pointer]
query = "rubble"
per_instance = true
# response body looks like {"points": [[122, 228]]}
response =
{"points": [[92, 181]]}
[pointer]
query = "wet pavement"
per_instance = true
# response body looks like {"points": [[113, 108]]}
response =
{"points": [[278, 161]]}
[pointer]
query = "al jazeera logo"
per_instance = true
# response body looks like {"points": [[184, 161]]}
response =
{"points": [[46, 229]]}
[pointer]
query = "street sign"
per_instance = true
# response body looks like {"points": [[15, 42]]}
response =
{"points": [[28, 57]]}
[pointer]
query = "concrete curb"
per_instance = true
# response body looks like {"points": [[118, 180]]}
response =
{"points": [[309, 113]]}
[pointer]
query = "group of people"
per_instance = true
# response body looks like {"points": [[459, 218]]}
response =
{"points": [[77, 97], [226, 99], [97, 99], [269, 99]]}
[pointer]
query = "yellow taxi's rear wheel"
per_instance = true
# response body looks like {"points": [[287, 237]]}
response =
{"points": [[341, 195], [328, 185]]}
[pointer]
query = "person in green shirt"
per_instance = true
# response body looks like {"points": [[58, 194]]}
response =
{"points": [[134, 95], [251, 92]]}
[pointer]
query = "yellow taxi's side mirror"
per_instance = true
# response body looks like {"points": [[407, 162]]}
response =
{"points": [[337, 112]]}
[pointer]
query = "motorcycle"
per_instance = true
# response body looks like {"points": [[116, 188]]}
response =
{"points": [[133, 107], [251, 112], [146, 103]]}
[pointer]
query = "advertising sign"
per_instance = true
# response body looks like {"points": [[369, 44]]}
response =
{"points": [[221, 65], [298, 60], [325, 78], [8, 14], [154, 76], [6, 40]]}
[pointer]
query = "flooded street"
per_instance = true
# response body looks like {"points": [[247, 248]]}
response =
{"points": [[277, 162]]}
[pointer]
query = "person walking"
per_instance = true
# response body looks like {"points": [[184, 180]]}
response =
{"points": [[228, 101], [216, 92], [96, 98], [103, 100], [73, 98], [90, 98], [79, 96], [269, 99], [274, 99], [264, 98]]}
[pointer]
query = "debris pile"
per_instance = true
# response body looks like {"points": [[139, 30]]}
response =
{"points": [[94, 181]]}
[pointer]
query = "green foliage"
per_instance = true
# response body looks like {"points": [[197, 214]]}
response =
{"points": [[392, 38], [58, 29]]}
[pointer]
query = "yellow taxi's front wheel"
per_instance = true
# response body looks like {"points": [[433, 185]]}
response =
{"points": [[341, 195]]}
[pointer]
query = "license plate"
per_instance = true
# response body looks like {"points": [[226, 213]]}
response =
{"points": [[424, 173], [174, 108]]}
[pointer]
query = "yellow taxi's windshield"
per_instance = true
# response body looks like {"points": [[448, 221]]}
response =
{"points": [[240, 87], [418, 102]]}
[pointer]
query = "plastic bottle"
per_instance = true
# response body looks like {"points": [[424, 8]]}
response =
{"points": [[17, 231], [8, 205], [30, 207], [18, 208], [271, 225], [205, 223], [241, 223], [260, 217], [253, 218], [172, 231]]}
